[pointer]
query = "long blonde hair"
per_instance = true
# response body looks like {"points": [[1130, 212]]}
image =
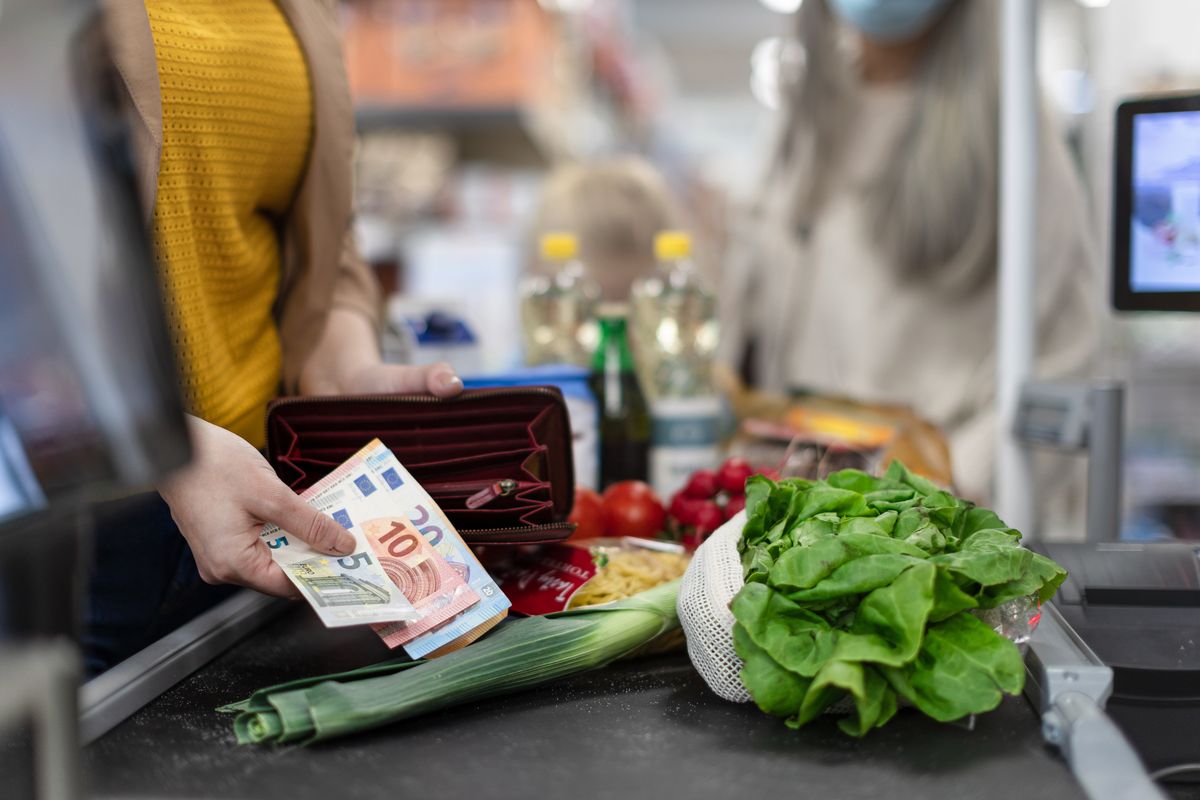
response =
{"points": [[933, 208]]}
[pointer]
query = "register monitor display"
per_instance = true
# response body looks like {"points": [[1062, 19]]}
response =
{"points": [[1156, 248]]}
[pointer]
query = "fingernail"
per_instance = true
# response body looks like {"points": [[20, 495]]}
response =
{"points": [[345, 545], [450, 381]]}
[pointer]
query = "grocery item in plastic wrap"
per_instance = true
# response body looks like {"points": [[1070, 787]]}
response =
{"points": [[588, 572]]}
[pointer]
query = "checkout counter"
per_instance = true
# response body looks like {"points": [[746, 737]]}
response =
{"points": [[77, 293], [643, 728]]}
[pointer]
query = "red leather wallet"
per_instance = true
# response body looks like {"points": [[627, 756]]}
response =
{"points": [[498, 461]]}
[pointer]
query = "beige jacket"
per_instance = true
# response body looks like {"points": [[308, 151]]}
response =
{"points": [[321, 269]]}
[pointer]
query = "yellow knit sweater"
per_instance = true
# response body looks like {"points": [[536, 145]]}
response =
{"points": [[237, 121]]}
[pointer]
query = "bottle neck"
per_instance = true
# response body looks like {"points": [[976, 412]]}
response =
{"points": [[613, 349], [680, 272]]}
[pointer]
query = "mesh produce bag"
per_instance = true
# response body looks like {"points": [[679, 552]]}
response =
{"points": [[711, 581]]}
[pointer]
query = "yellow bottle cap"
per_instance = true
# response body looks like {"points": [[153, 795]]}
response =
{"points": [[672, 246], [559, 247]]}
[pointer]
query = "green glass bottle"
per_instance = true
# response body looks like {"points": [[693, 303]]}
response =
{"points": [[624, 415]]}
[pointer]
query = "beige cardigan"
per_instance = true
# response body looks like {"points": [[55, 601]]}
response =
{"points": [[321, 269]]}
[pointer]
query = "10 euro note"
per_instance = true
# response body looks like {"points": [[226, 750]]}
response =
{"points": [[347, 590], [435, 588], [429, 520]]}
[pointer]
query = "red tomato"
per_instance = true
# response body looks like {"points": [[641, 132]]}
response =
{"points": [[702, 485], [631, 509], [709, 518], [587, 514], [735, 505], [733, 474]]}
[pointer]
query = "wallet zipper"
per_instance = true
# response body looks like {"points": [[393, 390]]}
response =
{"points": [[522, 534], [487, 490], [516, 391], [500, 488]]}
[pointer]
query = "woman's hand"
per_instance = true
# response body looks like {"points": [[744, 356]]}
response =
{"points": [[346, 361], [436, 379], [221, 502]]}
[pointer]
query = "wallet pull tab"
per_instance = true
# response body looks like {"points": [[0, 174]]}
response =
{"points": [[501, 488]]}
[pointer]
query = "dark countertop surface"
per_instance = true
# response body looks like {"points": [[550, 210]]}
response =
{"points": [[646, 728]]}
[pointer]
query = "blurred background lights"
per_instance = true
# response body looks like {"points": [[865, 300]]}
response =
{"points": [[782, 6], [566, 6], [774, 62]]}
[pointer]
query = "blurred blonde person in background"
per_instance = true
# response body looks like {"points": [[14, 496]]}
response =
{"points": [[615, 209], [868, 267]]}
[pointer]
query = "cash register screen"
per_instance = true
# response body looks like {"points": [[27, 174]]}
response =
{"points": [[1156, 253]]}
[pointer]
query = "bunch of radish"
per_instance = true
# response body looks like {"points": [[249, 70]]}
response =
{"points": [[708, 499]]}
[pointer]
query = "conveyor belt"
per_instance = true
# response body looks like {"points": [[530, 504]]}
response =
{"points": [[648, 728]]}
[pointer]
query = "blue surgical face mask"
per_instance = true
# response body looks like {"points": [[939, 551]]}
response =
{"points": [[888, 20]]}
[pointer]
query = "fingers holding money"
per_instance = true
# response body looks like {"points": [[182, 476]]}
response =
{"points": [[249, 565], [222, 501], [264, 575], [238, 557], [355, 588], [299, 519]]}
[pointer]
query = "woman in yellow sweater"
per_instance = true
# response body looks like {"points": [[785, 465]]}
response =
{"points": [[242, 133]]}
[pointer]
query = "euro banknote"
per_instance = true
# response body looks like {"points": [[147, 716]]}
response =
{"points": [[436, 589], [429, 520], [347, 590]]}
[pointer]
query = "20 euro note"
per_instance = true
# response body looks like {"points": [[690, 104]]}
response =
{"points": [[346, 590], [429, 520]]}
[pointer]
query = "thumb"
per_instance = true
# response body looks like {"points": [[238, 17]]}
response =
{"points": [[308, 524], [437, 379], [441, 380]]}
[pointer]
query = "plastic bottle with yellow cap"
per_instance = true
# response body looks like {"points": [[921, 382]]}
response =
{"points": [[558, 305], [674, 333]]}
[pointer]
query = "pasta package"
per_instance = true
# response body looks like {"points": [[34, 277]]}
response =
{"points": [[628, 569], [590, 572]]}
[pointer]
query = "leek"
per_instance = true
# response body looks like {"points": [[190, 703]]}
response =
{"points": [[521, 654], [258, 700]]}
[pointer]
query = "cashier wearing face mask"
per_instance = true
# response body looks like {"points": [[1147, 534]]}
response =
{"points": [[243, 132], [868, 267]]}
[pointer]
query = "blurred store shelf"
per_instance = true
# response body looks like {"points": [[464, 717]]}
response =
{"points": [[443, 117], [513, 82], [499, 134]]}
